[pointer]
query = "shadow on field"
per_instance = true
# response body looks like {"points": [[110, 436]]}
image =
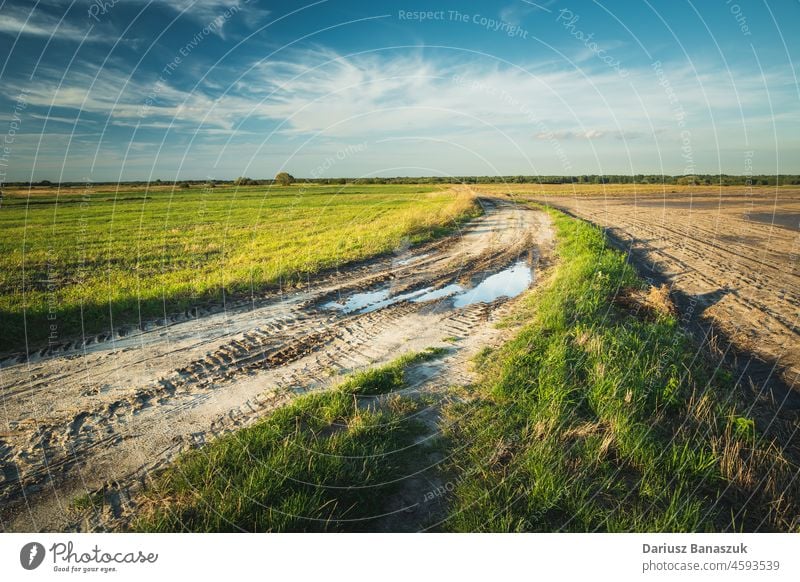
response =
{"points": [[759, 377], [46, 333]]}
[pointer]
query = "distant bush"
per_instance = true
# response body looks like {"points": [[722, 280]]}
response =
{"points": [[284, 179]]}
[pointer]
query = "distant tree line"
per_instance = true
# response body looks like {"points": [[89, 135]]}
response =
{"points": [[699, 179], [285, 179]]}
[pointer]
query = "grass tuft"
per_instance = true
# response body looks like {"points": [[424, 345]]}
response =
{"points": [[85, 501]]}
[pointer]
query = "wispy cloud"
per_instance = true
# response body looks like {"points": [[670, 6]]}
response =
{"points": [[56, 118], [218, 12], [207, 10], [597, 133], [65, 20], [563, 134], [406, 92], [516, 12], [318, 91], [18, 21]]}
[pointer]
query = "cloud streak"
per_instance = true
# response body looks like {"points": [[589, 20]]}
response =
{"points": [[16, 21]]}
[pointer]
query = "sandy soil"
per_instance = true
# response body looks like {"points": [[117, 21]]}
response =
{"points": [[103, 413], [732, 258]]}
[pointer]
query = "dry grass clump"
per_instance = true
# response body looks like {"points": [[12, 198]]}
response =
{"points": [[651, 303]]}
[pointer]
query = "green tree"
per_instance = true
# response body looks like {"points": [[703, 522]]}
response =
{"points": [[284, 179]]}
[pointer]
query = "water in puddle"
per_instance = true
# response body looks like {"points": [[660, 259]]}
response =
{"points": [[438, 293], [358, 301], [790, 220], [508, 283], [373, 300], [392, 300]]}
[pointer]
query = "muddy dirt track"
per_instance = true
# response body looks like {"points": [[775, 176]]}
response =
{"points": [[733, 261], [105, 412]]}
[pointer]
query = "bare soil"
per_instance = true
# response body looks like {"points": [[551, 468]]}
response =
{"points": [[731, 258]]}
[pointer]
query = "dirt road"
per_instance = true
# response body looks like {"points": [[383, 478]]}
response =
{"points": [[105, 412], [733, 260]]}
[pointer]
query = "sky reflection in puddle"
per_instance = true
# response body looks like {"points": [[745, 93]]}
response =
{"points": [[509, 282]]}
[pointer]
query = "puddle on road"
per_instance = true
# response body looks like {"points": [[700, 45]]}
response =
{"points": [[396, 299], [432, 295], [358, 301], [373, 300], [509, 283]]}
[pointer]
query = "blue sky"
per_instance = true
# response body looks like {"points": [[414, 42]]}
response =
{"points": [[147, 89]]}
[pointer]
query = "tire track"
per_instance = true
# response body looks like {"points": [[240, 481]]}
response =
{"points": [[743, 275]]}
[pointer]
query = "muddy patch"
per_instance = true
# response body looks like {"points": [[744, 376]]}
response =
{"points": [[359, 301], [507, 283]]}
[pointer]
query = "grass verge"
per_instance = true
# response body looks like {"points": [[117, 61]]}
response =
{"points": [[603, 414], [325, 462]]}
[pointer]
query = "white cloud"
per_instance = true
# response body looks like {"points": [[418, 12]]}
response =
{"points": [[56, 118], [219, 12], [567, 134], [16, 21], [323, 92], [516, 12], [208, 10], [73, 25]]}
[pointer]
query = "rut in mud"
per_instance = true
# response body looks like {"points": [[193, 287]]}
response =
{"points": [[104, 413]]}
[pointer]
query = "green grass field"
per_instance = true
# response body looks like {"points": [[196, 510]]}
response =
{"points": [[603, 414], [78, 261]]}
